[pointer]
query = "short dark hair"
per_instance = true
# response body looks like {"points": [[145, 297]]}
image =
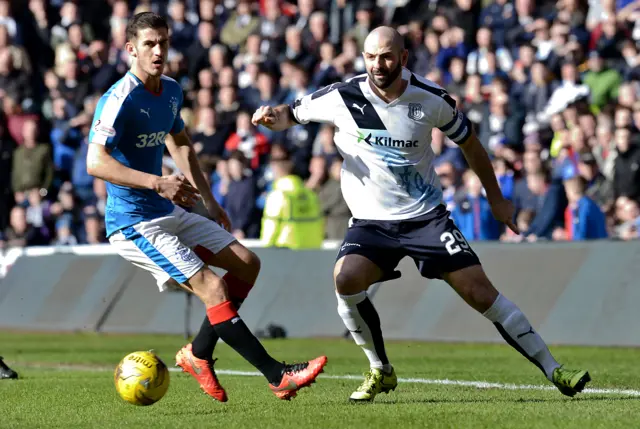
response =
{"points": [[144, 20], [238, 156]]}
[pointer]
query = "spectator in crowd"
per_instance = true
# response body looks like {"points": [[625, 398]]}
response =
{"points": [[7, 147], [292, 214], [209, 138], [318, 32], [38, 211], [241, 194], [449, 180], [65, 137], [364, 23], [73, 86], [603, 83], [505, 177], [20, 233], [182, 31], [478, 60], [550, 202], [102, 73], [334, 207], [32, 163], [604, 149], [100, 196], [248, 140], [472, 214], [537, 92], [228, 106], [64, 233], [628, 216], [446, 151], [626, 174], [552, 87], [94, 231], [325, 72], [295, 52], [14, 82], [198, 52], [272, 28], [220, 182], [317, 173], [239, 26], [598, 188], [583, 218]]}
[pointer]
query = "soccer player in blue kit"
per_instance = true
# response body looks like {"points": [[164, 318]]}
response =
{"points": [[134, 121]]}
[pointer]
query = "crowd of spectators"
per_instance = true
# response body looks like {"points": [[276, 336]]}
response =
{"points": [[552, 88]]}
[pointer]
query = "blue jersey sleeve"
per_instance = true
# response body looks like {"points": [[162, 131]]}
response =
{"points": [[178, 123], [109, 120]]}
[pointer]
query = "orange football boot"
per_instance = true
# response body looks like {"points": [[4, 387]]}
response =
{"points": [[298, 375], [202, 370]]}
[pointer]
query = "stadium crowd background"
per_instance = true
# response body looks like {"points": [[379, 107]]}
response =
{"points": [[552, 88]]}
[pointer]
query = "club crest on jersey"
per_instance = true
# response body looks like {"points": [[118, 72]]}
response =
{"points": [[174, 106], [415, 111], [184, 254]]}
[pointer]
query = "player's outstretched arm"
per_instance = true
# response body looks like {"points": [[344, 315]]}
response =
{"points": [[275, 118], [479, 161], [182, 152], [102, 165]]}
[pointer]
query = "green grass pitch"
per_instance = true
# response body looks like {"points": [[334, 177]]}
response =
{"points": [[66, 382]]}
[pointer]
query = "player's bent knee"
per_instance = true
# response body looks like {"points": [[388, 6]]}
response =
{"points": [[349, 283], [210, 288], [473, 285], [243, 263]]}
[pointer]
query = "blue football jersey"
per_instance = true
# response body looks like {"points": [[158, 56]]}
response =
{"points": [[132, 122]]}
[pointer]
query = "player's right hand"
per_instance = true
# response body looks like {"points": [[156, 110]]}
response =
{"points": [[177, 189], [265, 115], [503, 211]]}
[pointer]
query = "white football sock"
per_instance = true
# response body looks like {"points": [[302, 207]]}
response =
{"points": [[362, 320], [517, 331]]}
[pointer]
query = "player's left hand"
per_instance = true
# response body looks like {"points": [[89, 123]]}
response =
{"points": [[503, 211], [219, 215]]}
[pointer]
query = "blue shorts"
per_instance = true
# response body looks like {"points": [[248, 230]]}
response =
{"points": [[433, 241]]}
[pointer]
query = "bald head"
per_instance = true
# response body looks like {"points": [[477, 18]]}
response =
{"points": [[384, 38], [384, 56]]}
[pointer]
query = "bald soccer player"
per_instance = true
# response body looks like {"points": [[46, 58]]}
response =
{"points": [[383, 123]]}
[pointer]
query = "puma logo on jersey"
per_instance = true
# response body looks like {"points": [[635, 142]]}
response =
{"points": [[146, 112], [361, 109]]}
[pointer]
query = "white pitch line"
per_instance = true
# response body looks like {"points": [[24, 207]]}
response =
{"points": [[441, 382], [462, 383]]}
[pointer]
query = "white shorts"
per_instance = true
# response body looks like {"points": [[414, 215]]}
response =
{"points": [[165, 246]]}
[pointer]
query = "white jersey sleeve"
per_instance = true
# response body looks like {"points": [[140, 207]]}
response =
{"points": [[112, 113], [320, 106], [451, 121]]}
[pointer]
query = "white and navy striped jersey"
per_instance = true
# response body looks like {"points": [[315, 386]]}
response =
{"points": [[387, 172]]}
